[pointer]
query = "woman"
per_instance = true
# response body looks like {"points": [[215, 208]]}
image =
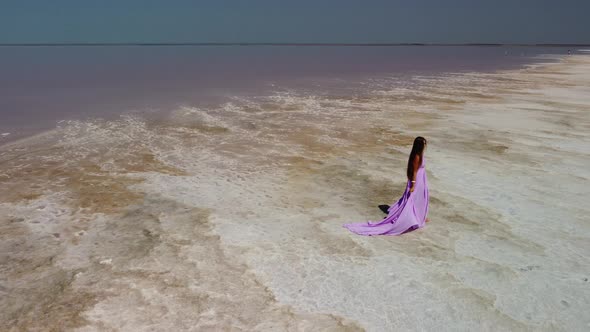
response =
{"points": [[411, 210]]}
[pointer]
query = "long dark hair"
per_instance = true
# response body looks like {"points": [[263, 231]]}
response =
{"points": [[417, 150]]}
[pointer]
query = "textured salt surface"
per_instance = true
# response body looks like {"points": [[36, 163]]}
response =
{"points": [[230, 218]]}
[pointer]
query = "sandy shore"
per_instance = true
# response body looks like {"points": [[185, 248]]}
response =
{"points": [[230, 218]]}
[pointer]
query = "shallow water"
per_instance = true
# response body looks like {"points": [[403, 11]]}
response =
{"points": [[42, 86], [230, 217]]}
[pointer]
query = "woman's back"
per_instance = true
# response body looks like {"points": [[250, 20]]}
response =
{"points": [[410, 211]]}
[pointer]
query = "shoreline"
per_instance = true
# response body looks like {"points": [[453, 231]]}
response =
{"points": [[8, 140]]}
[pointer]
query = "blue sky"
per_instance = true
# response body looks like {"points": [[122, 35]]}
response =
{"points": [[317, 21]]}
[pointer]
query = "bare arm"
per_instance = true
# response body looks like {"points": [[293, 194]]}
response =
{"points": [[416, 164]]}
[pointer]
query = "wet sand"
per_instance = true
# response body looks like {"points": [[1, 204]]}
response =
{"points": [[230, 218]]}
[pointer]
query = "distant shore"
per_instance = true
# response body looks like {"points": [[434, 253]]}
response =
{"points": [[294, 44]]}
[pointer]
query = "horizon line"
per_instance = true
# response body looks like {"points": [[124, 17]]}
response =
{"points": [[292, 44]]}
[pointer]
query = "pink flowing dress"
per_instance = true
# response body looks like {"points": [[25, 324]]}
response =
{"points": [[408, 214]]}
